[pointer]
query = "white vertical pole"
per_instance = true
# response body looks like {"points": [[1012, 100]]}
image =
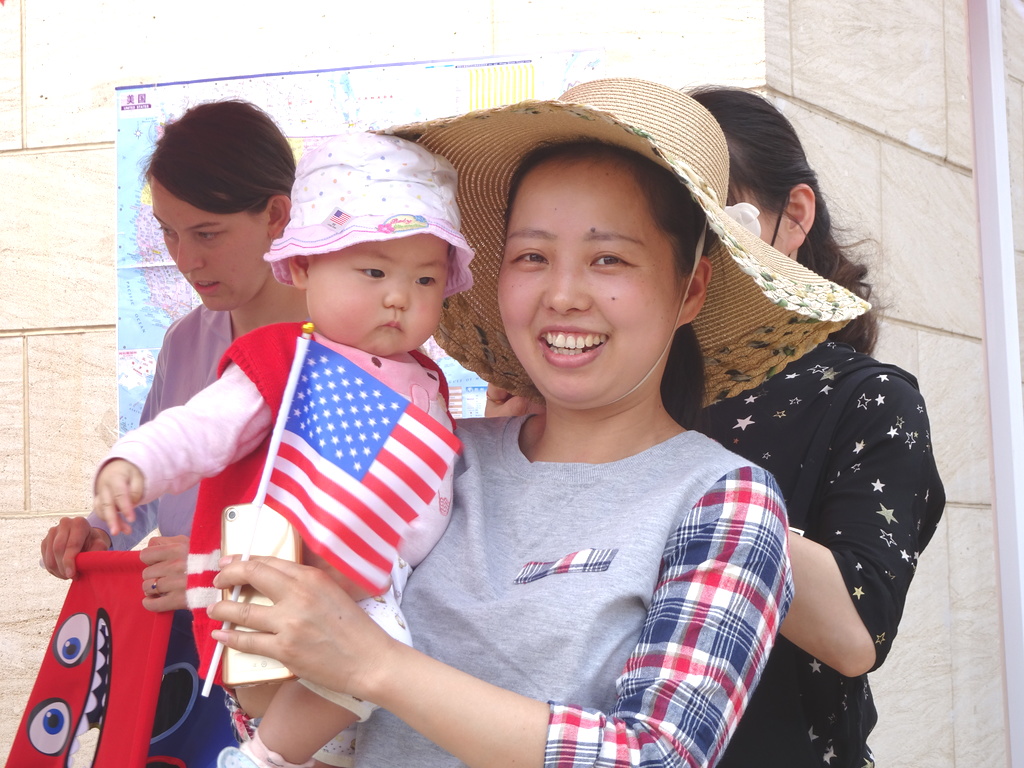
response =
{"points": [[301, 345], [1002, 345]]}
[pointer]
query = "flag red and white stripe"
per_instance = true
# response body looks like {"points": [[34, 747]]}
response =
{"points": [[357, 463]]}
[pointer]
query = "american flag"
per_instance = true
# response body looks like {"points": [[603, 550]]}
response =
{"points": [[356, 465], [339, 217]]}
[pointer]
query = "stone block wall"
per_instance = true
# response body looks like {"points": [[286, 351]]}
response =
{"points": [[880, 94]]}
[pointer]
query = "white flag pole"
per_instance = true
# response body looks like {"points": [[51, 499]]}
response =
{"points": [[301, 345], [1001, 344]]}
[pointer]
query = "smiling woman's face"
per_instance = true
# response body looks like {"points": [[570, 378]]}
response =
{"points": [[589, 291]]}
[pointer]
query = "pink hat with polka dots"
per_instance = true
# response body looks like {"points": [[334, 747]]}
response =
{"points": [[365, 187]]}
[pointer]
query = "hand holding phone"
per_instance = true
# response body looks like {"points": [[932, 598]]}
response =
{"points": [[270, 535]]}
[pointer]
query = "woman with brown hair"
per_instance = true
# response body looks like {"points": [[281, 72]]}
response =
{"points": [[220, 176]]}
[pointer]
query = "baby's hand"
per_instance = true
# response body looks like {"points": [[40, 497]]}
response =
{"points": [[119, 486]]}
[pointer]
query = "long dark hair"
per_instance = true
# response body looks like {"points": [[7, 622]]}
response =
{"points": [[766, 160], [224, 157], [680, 220]]}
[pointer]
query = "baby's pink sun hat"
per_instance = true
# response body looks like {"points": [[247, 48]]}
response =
{"points": [[365, 187]]}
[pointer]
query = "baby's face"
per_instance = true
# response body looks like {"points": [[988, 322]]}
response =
{"points": [[383, 298]]}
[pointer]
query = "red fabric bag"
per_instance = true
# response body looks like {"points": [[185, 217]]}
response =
{"points": [[102, 668]]}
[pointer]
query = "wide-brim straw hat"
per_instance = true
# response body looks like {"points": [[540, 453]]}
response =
{"points": [[762, 310]]}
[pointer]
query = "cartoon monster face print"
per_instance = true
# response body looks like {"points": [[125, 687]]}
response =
{"points": [[79, 641]]}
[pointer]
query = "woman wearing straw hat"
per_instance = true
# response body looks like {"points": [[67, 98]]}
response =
{"points": [[610, 583], [839, 416]]}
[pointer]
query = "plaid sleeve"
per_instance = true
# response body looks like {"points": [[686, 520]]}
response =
{"points": [[723, 591]]}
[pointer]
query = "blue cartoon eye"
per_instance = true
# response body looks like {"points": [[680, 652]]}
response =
{"points": [[49, 726], [72, 640]]}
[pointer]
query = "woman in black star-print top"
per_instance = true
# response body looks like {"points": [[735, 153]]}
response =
{"points": [[848, 440]]}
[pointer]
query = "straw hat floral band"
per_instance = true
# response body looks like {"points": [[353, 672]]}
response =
{"points": [[762, 310]]}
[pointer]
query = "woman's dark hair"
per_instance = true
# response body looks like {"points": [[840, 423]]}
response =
{"points": [[766, 160], [224, 157], [681, 221]]}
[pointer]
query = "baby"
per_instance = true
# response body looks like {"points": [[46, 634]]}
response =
{"points": [[374, 241]]}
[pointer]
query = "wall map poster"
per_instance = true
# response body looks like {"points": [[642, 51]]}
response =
{"points": [[308, 106]]}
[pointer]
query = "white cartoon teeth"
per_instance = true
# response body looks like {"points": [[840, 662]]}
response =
{"points": [[574, 343]]}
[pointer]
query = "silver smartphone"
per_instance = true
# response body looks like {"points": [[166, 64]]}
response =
{"points": [[273, 535]]}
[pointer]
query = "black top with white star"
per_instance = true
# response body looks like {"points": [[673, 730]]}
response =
{"points": [[878, 499]]}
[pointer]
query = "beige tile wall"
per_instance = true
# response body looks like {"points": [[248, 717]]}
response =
{"points": [[72, 417], [25, 632], [58, 239], [117, 42], [10, 75], [1013, 33], [778, 34], [959, 149], [12, 424], [877, 90], [879, 65], [914, 691], [978, 724], [939, 694], [879, 93], [677, 43], [930, 272], [951, 378], [131, 43]]}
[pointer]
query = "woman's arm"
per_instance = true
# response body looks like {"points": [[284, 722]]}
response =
{"points": [[322, 635], [146, 515], [722, 592], [882, 501], [822, 618], [216, 427]]}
